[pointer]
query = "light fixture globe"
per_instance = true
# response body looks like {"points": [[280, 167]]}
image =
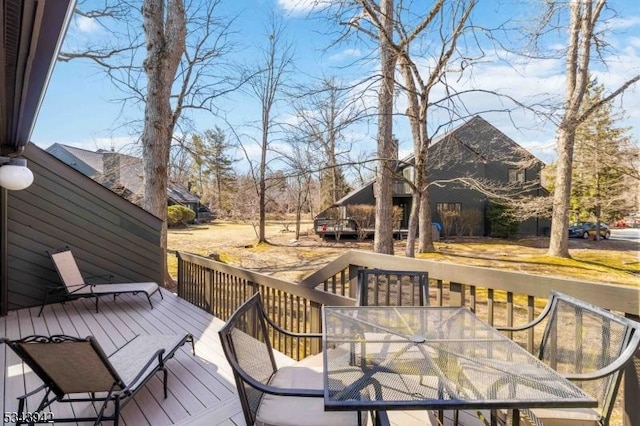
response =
{"points": [[14, 175]]}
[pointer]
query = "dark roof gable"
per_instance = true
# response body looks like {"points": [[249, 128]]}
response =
{"points": [[484, 139]]}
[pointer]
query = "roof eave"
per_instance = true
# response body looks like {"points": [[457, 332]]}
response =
{"points": [[30, 45]]}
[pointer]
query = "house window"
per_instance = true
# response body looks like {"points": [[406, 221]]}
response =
{"points": [[516, 176], [448, 208], [408, 173]]}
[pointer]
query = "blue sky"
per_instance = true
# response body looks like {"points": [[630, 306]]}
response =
{"points": [[79, 107]]}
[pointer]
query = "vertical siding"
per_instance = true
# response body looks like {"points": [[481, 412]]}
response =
{"points": [[107, 234]]}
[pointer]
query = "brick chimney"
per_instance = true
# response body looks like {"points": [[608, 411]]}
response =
{"points": [[111, 169]]}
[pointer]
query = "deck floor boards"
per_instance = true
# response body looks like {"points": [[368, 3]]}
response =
{"points": [[201, 387]]}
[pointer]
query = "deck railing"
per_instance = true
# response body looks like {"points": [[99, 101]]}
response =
{"points": [[497, 296]]}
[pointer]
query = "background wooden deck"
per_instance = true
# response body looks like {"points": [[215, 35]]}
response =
{"points": [[201, 387]]}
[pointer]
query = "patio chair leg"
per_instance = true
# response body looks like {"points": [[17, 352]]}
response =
{"points": [[20, 408], [493, 417], [516, 417], [149, 299], [104, 407], [116, 412], [193, 344], [44, 302], [97, 299], [164, 381]]}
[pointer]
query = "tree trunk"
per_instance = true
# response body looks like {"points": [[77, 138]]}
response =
{"points": [[410, 249], [383, 241], [582, 22], [425, 237], [559, 241], [262, 186], [165, 46]]}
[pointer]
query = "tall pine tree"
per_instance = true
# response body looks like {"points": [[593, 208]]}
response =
{"points": [[598, 191], [213, 169]]}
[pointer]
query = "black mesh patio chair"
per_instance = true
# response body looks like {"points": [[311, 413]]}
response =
{"points": [[378, 287], [272, 396], [76, 370], [589, 346], [74, 285]]}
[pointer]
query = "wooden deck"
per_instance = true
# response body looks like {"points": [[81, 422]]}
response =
{"points": [[201, 388]]}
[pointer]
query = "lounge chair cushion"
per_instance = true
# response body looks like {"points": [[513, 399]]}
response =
{"points": [[129, 360], [294, 411], [559, 417], [567, 417], [148, 288]]}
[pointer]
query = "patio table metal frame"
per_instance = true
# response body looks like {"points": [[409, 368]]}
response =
{"points": [[436, 358]]}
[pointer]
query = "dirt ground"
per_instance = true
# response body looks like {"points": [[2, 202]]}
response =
{"points": [[288, 258]]}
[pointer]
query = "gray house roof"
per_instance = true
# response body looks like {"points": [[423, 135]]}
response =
{"points": [[476, 135], [113, 168]]}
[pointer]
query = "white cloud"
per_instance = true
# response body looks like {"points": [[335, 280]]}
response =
{"points": [[124, 144], [346, 54], [87, 25], [301, 6], [624, 23]]}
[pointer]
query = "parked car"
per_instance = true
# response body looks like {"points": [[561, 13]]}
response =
{"points": [[588, 229]]}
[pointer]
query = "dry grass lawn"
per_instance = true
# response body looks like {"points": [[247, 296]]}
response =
{"points": [[604, 261]]}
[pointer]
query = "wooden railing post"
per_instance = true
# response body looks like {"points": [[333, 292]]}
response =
{"points": [[456, 294], [631, 394], [353, 280], [180, 276], [316, 326]]}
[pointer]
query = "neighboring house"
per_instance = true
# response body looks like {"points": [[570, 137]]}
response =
{"points": [[119, 172], [475, 149]]}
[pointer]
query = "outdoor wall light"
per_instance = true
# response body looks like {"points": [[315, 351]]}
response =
{"points": [[14, 174]]}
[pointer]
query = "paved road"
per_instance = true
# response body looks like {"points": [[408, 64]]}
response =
{"points": [[626, 234]]}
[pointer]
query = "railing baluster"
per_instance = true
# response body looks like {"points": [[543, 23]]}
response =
{"points": [[472, 298], [490, 306], [531, 308], [510, 312]]}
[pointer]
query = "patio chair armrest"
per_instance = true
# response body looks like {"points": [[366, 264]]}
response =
{"points": [[292, 333], [615, 366], [33, 392], [51, 289], [528, 325], [519, 327]]}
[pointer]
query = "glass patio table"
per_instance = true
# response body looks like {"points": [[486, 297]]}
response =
{"points": [[439, 358]]}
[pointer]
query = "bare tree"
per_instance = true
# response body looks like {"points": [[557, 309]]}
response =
{"points": [[418, 85], [383, 240], [324, 114], [183, 46], [583, 38], [300, 160], [165, 33], [267, 85]]}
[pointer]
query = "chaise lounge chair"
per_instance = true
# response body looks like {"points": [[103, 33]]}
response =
{"points": [[74, 286], [70, 366]]}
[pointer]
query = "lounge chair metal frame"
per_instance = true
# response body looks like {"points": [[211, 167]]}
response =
{"points": [[586, 344], [71, 291], [54, 386]]}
